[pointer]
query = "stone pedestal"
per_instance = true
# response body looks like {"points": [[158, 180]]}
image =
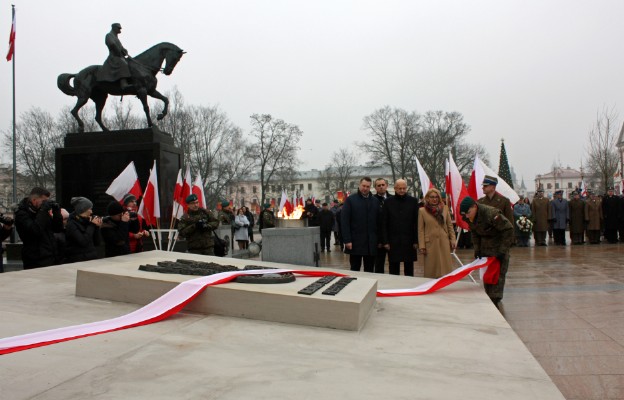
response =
{"points": [[291, 245], [89, 162], [119, 279]]}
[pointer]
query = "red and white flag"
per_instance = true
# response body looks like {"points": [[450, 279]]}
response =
{"points": [[283, 201], [126, 182], [11, 52], [425, 182], [198, 190], [178, 209], [186, 187], [457, 191], [584, 188], [479, 171], [150, 205]]}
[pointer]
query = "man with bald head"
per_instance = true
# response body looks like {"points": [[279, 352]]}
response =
{"points": [[399, 229]]}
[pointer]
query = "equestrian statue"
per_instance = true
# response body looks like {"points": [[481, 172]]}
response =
{"points": [[121, 75]]}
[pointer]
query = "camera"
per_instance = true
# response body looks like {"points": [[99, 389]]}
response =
{"points": [[6, 220], [133, 214]]}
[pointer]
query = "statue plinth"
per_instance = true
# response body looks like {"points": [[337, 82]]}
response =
{"points": [[89, 162]]}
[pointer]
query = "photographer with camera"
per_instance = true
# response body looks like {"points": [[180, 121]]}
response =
{"points": [[137, 227], [197, 226], [5, 232], [83, 231], [115, 230], [37, 219]]}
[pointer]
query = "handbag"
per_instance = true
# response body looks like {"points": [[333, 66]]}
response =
{"points": [[220, 246]]}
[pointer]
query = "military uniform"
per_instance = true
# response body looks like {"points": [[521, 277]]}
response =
{"points": [[199, 236], [266, 220], [593, 217], [500, 202], [577, 221], [492, 236], [540, 210]]}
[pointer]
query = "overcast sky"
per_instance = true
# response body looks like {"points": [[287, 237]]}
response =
{"points": [[533, 72]]}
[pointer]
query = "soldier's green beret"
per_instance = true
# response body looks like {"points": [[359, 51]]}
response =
{"points": [[465, 204], [191, 198]]}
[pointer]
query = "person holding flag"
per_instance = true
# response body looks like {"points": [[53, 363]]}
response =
{"points": [[492, 236], [197, 226]]}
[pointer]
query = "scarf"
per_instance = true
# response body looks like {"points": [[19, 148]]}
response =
{"points": [[436, 211]]}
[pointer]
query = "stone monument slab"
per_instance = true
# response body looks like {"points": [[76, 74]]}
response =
{"points": [[291, 245], [119, 279]]}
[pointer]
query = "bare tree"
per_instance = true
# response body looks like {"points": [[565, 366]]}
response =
{"points": [[66, 123], [602, 155], [343, 163], [275, 148], [390, 133], [439, 132], [123, 116], [37, 137]]}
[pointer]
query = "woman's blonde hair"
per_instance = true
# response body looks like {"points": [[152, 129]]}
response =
{"points": [[433, 190]]}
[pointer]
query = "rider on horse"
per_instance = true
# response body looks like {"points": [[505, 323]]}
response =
{"points": [[115, 67]]}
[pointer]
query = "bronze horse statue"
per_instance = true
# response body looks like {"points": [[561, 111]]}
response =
{"points": [[143, 69]]}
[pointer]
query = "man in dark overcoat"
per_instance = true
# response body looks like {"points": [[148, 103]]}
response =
{"points": [[381, 193], [611, 215], [540, 210], [358, 224], [577, 219], [399, 229]]}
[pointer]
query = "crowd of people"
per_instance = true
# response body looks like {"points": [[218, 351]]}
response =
{"points": [[51, 235], [373, 228], [586, 219]]}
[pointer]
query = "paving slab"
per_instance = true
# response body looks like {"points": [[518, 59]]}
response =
{"points": [[453, 344]]}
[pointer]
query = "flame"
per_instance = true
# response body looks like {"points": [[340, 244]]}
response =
{"points": [[296, 214]]}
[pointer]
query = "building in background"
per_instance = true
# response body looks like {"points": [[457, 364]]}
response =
{"points": [[307, 184], [566, 179]]}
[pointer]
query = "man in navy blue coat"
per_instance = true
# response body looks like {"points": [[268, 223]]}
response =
{"points": [[358, 223]]}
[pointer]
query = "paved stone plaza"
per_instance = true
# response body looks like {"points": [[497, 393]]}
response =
{"points": [[567, 306]]}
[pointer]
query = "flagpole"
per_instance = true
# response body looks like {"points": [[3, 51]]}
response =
{"points": [[14, 145]]}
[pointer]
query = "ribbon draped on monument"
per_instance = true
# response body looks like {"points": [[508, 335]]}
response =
{"points": [[177, 298]]}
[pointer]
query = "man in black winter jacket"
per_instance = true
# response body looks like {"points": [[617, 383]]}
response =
{"points": [[37, 219], [114, 230]]}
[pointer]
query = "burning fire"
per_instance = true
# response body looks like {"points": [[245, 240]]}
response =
{"points": [[296, 214]]}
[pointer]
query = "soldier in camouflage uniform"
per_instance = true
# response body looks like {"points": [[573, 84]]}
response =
{"points": [[492, 236], [197, 226], [267, 218]]}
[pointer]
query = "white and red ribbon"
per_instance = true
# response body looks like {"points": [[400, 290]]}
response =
{"points": [[177, 298]]}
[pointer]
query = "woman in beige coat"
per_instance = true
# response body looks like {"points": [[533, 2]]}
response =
{"points": [[436, 237]]}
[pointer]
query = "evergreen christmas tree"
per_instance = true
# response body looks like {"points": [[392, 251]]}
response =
{"points": [[503, 166]]}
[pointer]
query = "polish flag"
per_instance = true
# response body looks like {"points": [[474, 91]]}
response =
{"points": [[425, 182], [447, 181], [126, 182], [11, 52], [283, 201], [150, 205], [457, 191], [178, 209], [584, 188], [198, 190], [300, 202], [479, 171], [186, 187]]}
